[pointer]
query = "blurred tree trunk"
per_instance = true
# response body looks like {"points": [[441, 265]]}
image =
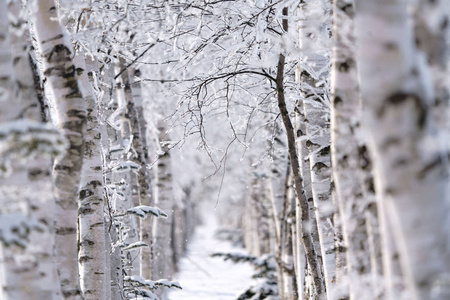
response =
{"points": [[409, 165], [28, 268], [163, 263], [285, 249]]}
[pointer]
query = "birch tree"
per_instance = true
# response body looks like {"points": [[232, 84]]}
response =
{"points": [[163, 263], [407, 156], [345, 120], [306, 236], [91, 224], [314, 25], [61, 75], [27, 268]]}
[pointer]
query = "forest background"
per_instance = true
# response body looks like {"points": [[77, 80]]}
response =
{"points": [[320, 128]]}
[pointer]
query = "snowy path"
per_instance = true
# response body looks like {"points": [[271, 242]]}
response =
{"points": [[205, 278]]}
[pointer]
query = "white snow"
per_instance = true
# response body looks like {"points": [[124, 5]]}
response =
{"points": [[206, 278], [135, 246], [142, 211]]}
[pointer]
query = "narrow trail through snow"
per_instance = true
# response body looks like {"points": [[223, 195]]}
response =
{"points": [[210, 278]]}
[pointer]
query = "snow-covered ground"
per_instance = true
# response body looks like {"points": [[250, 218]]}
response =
{"points": [[206, 278]]}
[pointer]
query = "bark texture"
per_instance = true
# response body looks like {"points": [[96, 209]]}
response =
{"points": [[61, 75], [314, 26], [27, 263], [91, 223], [311, 256], [345, 119]]}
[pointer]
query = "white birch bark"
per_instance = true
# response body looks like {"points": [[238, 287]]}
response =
{"points": [[259, 210], [279, 168], [61, 76], [110, 142], [163, 263], [248, 226], [277, 192], [21, 58], [302, 140], [286, 247], [345, 117], [91, 225], [27, 271], [307, 241], [139, 131], [7, 88], [129, 228], [145, 191], [410, 173], [374, 223], [314, 75], [431, 27]]}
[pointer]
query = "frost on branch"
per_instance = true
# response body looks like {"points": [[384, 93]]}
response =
{"points": [[142, 211], [26, 139], [134, 246], [126, 166], [15, 228], [139, 281], [139, 286]]}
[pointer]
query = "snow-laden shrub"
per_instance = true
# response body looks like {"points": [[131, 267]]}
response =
{"points": [[265, 265]]}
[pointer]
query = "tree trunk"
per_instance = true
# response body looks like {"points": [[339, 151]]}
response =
{"points": [[408, 160], [110, 143], [91, 226], [27, 267], [131, 177], [139, 131], [304, 161], [163, 264], [315, 266], [286, 247], [313, 84], [61, 77], [345, 118]]}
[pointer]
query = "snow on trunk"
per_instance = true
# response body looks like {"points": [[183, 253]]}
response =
{"points": [[61, 75], [409, 165]]}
